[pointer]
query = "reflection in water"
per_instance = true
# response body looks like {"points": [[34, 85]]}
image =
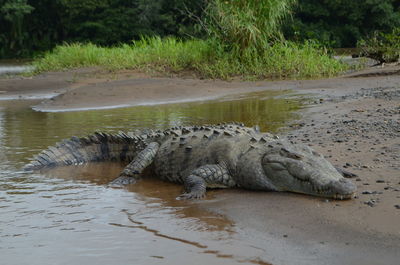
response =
{"points": [[162, 192], [29, 131], [70, 210]]}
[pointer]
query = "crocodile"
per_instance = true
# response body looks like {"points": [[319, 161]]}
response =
{"points": [[209, 156]]}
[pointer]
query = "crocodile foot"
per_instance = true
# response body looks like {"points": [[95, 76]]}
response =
{"points": [[191, 196], [123, 180]]}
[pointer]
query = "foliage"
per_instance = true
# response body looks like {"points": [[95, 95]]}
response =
{"points": [[28, 27], [107, 22], [246, 23], [383, 47], [340, 23], [148, 53], [41, 24], [206, 58], [11, 21]]}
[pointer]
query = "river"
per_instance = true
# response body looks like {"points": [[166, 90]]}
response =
{"points": [[70, 216], [13, 67]]}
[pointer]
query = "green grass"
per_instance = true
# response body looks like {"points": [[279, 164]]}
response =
{"points": [[246, 23], [155, 53], [205, 58]]}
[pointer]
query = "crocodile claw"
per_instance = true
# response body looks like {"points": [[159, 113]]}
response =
{"points": [[191, 196], [123, 180]]}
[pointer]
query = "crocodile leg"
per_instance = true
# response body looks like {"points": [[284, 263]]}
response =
{"points": [[216, 176], [133, 171]]}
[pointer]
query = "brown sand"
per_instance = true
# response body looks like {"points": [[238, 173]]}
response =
{"points": [[355, 123]]}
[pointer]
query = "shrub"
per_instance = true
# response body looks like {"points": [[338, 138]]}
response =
{"points": [[382, 47], [205, 58], [241, 24]]}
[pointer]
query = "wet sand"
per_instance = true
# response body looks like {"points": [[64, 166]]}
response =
{"points": [[353, 120]]}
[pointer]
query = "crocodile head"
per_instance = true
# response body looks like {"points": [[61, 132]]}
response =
{"points": [[298, 168]]}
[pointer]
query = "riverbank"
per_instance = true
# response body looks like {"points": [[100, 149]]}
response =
{"points": [[91, 88], [353, 121]]}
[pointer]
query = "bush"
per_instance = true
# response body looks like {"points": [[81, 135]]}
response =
{"points": [[382, 47], [205, 58], [242, 24], [341, 23]]}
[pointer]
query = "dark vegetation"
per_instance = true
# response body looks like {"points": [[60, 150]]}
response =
{"points": [[31, 26], [382, 47], [341, 23]]}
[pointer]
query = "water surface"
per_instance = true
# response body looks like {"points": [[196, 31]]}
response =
{"points": [[70, 216], [13, 67]]}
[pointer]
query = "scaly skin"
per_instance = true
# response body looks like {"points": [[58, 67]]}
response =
{"points": [[201, 157]]}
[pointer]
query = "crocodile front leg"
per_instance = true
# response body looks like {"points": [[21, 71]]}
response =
{"points": [[133, 171], [213, 176]]}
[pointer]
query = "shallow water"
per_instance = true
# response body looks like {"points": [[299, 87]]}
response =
{"points": [[70, 216], [13, 67]]}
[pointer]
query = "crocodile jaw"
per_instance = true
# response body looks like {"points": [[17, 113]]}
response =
{"points": [[316, 185], [300, 169], [341, 189]]}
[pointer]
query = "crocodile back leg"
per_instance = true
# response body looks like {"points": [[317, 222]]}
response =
{"points": [[133, 171]]}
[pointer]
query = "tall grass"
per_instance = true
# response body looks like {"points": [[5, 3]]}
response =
{"points": [[154, 53], [246, 23], [205, 58], [244, 41], [280, 61]]}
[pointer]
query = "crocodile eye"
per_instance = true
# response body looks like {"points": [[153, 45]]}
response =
{"points": [[277, 166], [289, 154], [316, 153]]}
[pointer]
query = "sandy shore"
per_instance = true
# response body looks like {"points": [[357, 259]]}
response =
{"points": [[354, 121], [94, 89]]}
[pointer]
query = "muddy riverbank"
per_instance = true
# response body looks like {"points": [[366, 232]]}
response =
{"points": [[93, 89], [352, 120]]}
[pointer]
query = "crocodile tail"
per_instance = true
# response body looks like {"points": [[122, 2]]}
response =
{"points": [[95, 147]]}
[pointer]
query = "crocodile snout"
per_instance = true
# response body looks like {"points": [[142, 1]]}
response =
{"points": [[343, 189]]}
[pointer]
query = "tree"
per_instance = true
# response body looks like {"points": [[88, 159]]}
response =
{"points": [[12, 14], [46, 23], [340, 23]]}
